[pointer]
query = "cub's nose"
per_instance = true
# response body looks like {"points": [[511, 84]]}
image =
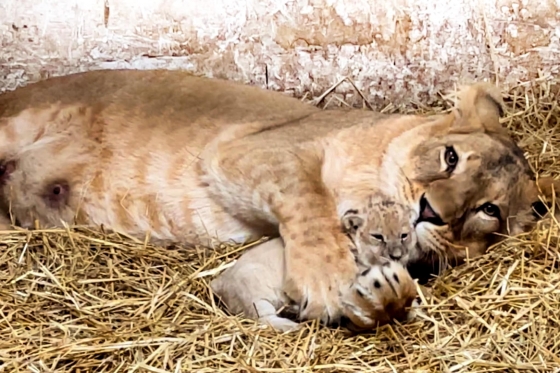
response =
{"points": [[396, 254]]}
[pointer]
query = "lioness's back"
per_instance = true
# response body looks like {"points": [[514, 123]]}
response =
{"points": [[155, 93]]}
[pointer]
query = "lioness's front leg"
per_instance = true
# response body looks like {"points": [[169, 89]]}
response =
{"points": [[282, 186], [383, 292]]}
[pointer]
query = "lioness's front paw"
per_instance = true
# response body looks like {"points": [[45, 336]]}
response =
{"points": [[316, 286], [380, 294]]}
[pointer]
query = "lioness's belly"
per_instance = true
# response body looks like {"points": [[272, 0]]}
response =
{"points": [[189, 216], [137, 181], [154, 186]]}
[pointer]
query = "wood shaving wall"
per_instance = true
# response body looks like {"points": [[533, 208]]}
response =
{"points": [[395, 51]]}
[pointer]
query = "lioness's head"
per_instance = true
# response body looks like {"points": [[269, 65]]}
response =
{"points": [[476, 185]]}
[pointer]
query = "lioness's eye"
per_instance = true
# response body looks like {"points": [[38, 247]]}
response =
{"points": [[490, 209], [404, 236], [451, 158], [539, 208]]}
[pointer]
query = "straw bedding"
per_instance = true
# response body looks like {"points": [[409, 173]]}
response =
{"points": [[88, 301]]}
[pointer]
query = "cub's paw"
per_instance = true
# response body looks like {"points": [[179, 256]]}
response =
{"points": [[316, 285], [279, 323], [380, 294], [413, 310]]}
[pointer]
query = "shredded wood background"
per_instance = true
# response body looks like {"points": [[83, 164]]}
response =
{"points": [[394, 50], [77, 300]]}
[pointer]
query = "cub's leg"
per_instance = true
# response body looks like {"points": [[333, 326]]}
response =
{"points": [[280, 184], [381, 293], [253, 285], [5, 222]]}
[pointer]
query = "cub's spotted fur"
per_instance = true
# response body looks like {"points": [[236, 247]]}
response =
{"points": [[383, 228], [196, 160]]}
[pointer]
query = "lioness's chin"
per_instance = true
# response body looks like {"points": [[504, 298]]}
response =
{"points": [[431, 256], [428, 241]]}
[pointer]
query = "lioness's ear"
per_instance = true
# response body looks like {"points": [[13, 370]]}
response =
{"points": [[549, 187], [351, 221], [479, 108]]}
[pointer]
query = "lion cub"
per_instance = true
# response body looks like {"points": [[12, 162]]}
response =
{"points": [[383, 288], [384, 228]]}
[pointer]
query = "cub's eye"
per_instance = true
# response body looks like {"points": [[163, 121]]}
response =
{"points": [[404, 236], [451, 158], [377, 237], [490, 209]]}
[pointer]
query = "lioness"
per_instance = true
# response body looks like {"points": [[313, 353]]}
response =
{"points": [[188, 159], [380, 229]]}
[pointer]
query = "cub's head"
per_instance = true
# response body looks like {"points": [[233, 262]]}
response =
{"points": [[475, 184], [381, 228]]}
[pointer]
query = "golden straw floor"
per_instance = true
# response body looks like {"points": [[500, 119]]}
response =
{"points": [[83, 301]]}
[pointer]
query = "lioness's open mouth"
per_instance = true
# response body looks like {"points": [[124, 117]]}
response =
{"points": [[427, 213]]}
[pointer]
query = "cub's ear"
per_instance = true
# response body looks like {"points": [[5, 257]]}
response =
{"points": [[351, 221], [479, 109], [413, 214]]}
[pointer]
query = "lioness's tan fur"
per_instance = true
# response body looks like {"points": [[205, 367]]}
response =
{"points": [[189, 158]]}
